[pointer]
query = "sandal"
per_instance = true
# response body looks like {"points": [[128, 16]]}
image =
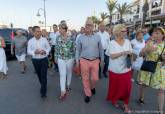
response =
{"points": [[126, 110], [62, 97], [141, 102], [116, 105], [68, 89]]}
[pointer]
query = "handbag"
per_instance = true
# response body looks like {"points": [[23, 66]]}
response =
{"points": [[129, 61], [77, 71], [150, 66]]}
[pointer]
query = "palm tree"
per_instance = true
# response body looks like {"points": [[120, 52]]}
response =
{"points": [[95, 20], [123, 9], [111, 5], [145, 9], [103, 16]]}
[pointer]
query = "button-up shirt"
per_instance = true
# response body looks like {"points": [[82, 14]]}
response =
{"points": [[64, 49], [105, 39], [40, 44], [53, 37], [89, 47]]}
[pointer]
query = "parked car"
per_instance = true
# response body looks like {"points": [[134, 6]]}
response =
{"points": [[8, 35]]}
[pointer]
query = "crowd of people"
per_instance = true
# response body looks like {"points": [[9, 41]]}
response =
{"points": [[107, 52]]}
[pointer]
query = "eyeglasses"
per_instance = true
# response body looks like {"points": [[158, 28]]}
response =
{"points": [[124, 31], [89, 25], [63, 28]]}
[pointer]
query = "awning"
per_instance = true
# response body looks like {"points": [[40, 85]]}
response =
{"points": [[153, 22]]}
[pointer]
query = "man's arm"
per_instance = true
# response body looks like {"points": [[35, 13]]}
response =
{"points": [[101, 50], [30, 51], [78, 49], [48, 48]]}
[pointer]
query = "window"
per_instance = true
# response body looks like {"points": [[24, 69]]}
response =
{"points": [[156, 12], [138, 9], [156, 3]]}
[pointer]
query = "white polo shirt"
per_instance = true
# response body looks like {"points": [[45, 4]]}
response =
{"points": [[105, 39], [53, 36]]}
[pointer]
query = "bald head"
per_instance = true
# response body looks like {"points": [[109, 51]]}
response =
{"points": [[102, 27]]}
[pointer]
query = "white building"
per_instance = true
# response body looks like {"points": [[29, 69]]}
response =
{"points": [[155, 14]]}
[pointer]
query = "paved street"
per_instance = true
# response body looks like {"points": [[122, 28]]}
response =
{"points": [[19, 94]]}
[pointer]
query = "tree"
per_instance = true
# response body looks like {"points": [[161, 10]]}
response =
{"points": [[111, 5], [95, 20], [123, 9], [103, 16], [145, 9]]}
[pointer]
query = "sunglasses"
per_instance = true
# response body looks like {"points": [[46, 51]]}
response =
{"points": [[124, 31], [89, 25]]}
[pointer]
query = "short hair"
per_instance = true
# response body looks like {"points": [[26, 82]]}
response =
{"points": [[102, 23], [30, 27], [62, 21], [82, 27], [34, 28], [63, 26], [138, 32], [54, 25], [118, 28]]}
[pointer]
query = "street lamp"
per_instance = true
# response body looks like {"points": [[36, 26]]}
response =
{"points": [[44, 11]]}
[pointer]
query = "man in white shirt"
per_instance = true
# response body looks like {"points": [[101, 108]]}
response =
{"points": [[39, 48], [53, 35], [105, 40]]}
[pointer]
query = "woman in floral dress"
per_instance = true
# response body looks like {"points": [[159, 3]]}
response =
{"points": [[156, 80]]}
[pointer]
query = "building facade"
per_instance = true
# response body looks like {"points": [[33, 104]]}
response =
{"points": [[155, 14]]}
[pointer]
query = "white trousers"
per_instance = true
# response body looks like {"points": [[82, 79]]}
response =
{"points": [[65, 70], [3, 64]]}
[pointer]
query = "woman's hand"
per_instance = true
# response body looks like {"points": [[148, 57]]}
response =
{"points": [[127, 53], [150, 49]]}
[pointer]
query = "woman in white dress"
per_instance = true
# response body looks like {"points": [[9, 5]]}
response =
{"points": [[3, 65]]}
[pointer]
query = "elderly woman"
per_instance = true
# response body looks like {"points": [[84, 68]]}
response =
{"points": [[64, 54], [119, 72], [152, 51], [3, 65]]}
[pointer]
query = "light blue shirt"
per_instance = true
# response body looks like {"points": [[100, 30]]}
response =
{"points": [[146, 37]]}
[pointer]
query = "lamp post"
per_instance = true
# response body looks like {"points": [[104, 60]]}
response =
{"points": [[44, 11]]}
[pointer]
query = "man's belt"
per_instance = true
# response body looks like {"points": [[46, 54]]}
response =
{"points": [[90, 59]]}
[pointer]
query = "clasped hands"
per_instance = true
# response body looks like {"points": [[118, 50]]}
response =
{"points": [[42, 52]]}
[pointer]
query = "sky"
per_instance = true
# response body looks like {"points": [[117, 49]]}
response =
{"points": [[22, 13]]}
